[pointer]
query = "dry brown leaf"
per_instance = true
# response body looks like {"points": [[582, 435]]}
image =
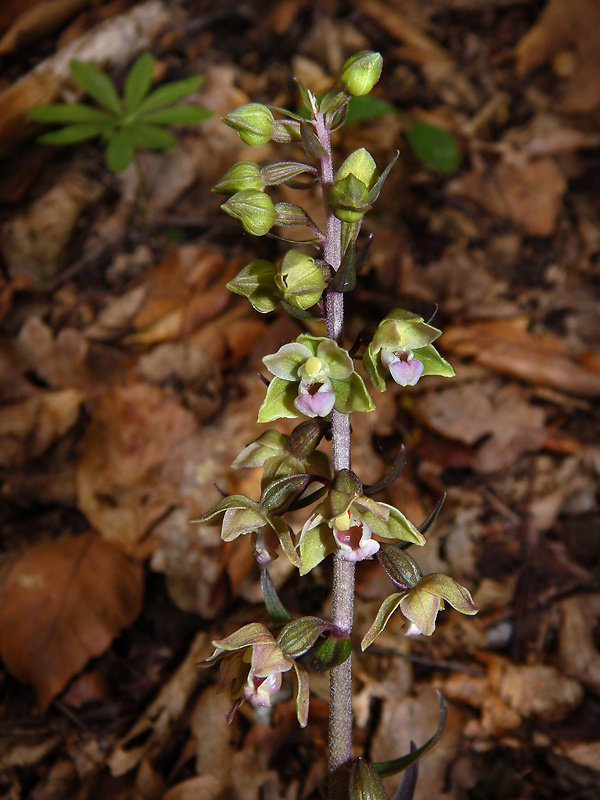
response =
{"points": [[33, 242], [578, 653], [563, 28], [120, 483], [472, 411], [62, 604], [507, 347], [27, 429], [529, 194], [202, 787]]}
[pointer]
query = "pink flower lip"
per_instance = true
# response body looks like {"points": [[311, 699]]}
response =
{"points": [[318, 404], [406, 373], [356, 543], [259, 691]]}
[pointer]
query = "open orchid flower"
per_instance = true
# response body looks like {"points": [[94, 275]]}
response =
{"points": [[313, 376], [402, 346]]}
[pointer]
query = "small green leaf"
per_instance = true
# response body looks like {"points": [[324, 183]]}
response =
{"points": [[138, 81], [434, 146], [151, 137], [170, 93], [97, 84], [178, 115], [368, 107], [69, 112], [120, 151], [74, 133]]}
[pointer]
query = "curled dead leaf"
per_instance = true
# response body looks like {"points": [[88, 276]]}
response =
{"points": [[62, 604]]}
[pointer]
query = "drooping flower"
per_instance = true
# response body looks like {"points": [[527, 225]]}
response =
{"points": [[313, 375], [402, 346], [421, 598]]}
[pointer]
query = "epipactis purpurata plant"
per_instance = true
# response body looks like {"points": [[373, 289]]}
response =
{"points": [[314, 379]]}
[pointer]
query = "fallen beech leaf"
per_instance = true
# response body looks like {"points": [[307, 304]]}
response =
{"points": [[507, 347], [530, 194], [564, 27], [121, 485], [62, 604], [27, 429]]}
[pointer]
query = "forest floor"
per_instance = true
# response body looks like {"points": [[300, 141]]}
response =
{"points": [[128, 386]]}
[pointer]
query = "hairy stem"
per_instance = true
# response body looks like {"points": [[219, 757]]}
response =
{"points": [[340, 699]]}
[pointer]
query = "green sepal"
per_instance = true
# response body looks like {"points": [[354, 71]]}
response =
{"points": [[374, 369], [396, 526], [275, 608], [387, 768], [286, 538], [279, 401], [315, 545], [237, 501], [351, 394], [433, 363], [256, 282], [386, 609], [270, 444], [299, 635], [302, 694]]}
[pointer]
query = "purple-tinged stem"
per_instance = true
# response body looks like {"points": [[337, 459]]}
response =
{"points": [[340, 691]]}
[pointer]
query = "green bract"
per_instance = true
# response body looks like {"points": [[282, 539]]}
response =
{"points": [[311, 366], [136, 121], [254, 123], [402, 347], [361, 72]]}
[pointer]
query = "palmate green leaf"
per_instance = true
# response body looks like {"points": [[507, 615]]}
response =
{"points": [[69, 112], [138, 82], [120, 151], [434, 146], [72, 134], [97, 84], [170, 93], [178, 115], [150, 136]]}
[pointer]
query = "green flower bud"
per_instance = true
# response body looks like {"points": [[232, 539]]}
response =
{"points": [[300, 280], [349, 199], [257, 282], [361, 72], [254, 209], [361, 164], [245, 175], [254, 123]]}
